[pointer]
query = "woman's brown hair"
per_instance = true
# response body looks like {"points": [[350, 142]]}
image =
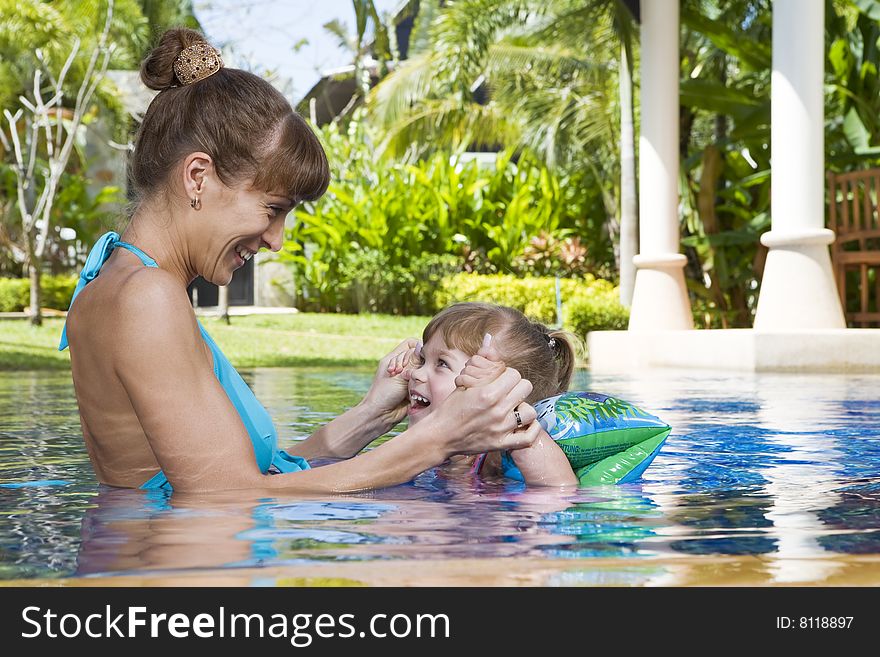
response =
{"points": [[240, 120], [543, 356]]}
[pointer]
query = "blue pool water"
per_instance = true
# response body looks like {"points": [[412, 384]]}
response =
{"points": [[780, 469]]}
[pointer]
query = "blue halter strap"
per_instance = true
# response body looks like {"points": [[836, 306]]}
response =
{"points": [[97, 257]]}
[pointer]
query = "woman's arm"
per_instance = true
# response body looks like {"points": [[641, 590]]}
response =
{"points": [[201, 444], [376, 414], [469, 421]]}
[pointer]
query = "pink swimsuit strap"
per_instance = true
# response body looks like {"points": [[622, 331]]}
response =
{"points": [[478, 463]]}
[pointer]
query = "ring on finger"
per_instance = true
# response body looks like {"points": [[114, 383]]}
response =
{"points": [[518, 417]]}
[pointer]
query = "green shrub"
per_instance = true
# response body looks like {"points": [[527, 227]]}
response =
{"points": [[597, 313], [588, 304], [57, 292], [365, 281], [535, 297], [389, 221], [370, 283], [13, 294]]}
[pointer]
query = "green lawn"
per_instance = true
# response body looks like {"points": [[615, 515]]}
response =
{"points": [[254, 341]]}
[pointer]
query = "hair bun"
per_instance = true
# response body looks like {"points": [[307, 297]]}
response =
{"points": [[157, 70]]}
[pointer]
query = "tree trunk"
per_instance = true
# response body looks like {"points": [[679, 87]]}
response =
{"points": [[711, 169], [36, 293], [223, 303], [629, 219]]}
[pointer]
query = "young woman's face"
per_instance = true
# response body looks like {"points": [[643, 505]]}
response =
{"points": [[241, 222], [434, 380]]}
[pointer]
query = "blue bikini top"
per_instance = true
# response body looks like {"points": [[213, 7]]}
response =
{"points": [[255, 418]]}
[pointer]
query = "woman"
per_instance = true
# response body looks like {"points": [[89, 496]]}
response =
{"points": [[219, 161]]}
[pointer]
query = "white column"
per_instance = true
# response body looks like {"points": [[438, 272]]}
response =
{"points": [[798, 290], [660, 299]]}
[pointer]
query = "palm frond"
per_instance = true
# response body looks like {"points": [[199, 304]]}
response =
{"points": [[558, 62], [753, 53], [129, 29], [555, 99], [558, 125], [26, 25], [598, 26], [340, 30], [560, 121], [464, 31], [413, 82], [420, 39], [448, 124]]}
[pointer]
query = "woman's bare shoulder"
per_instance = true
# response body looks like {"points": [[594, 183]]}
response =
{"points": [[150, 289], [134, 312]]}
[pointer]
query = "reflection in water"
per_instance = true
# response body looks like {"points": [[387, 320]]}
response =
{"points": [[127, 531], [855, 517], [803, 479], [623, 576], [782, 470], [614, 524], [728, 524]]}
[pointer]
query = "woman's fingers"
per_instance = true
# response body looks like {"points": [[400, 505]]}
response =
{"points": [[494, 384], [506, 391], [404, 359], [403, 347], [491, 411], [481, 362], [507, 381], [482, 368], [398, 359], [473, 377], [526, 415], [517, 395], [521, 438], [479, 371]]}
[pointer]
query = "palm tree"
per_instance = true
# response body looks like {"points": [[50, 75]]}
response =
{"points": [[376, 56], [536, 75]]}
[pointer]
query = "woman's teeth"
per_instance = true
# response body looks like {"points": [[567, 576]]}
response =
{"points": [[244, 253]]}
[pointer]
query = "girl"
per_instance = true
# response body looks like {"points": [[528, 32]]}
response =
{"points": [[456, 352]]}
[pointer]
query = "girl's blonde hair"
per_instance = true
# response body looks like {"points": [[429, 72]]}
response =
{"points": [[541, 355]]}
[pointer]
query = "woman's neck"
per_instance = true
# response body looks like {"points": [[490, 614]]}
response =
{"points": [[164, 241]]}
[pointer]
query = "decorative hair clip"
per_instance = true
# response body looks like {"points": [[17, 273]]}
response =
{"points": [[551, 343], [197, 62]]}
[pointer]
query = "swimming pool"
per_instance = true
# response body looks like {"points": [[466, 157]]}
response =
{"points": [[766, 479]]}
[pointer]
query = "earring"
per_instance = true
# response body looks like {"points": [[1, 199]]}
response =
{"points": [[196, 204]]}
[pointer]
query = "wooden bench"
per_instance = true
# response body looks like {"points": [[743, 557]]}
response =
{"points": [[855, 255]]}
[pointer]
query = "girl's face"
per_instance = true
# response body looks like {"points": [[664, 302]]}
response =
{"points": [[434, 380]]}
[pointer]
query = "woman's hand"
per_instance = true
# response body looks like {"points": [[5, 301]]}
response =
{"points": [[484, 367], [487, 412], [388, 396], [384, 406]]}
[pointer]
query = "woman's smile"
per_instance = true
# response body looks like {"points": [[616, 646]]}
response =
{"points": [[242, 254]]}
